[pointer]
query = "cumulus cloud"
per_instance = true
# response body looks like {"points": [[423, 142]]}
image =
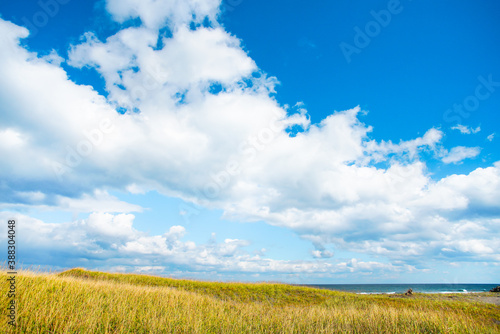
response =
{"points": [[156, 14], [109, 226], [136, 72], [110, 240], [193, 117]]}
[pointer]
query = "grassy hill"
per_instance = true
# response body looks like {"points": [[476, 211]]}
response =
{"points": [[80, 301]]}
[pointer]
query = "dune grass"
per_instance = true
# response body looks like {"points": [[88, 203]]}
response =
{"points": [[80, 301]]}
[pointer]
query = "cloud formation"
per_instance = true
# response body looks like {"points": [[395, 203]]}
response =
{"points": [[466, 129], [110, 241], [460, 153], [157, 14], [191, 116]]}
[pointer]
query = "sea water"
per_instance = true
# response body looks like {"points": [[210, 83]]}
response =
{"points": [[402, 288]]}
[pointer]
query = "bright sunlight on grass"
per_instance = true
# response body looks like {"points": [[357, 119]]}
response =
{"points": [[81, 301]]}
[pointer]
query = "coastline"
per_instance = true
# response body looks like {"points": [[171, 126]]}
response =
{"points": [[401, 288]]}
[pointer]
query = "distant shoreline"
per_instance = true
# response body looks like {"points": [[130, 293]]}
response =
{"points": [[429, 288]]}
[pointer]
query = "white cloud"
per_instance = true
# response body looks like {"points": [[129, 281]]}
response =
{"points": [[109, 226], [111, 241], [150, 269], [491, 137], [155, 14], [481, 187], [135, 72], [320, 254], [331, 183], [460, 153], [98, 201], [430, 139], [475, 246], [11, 139], [466, 129]]}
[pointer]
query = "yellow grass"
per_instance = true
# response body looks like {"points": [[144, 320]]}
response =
{"points": [[79, 301]]}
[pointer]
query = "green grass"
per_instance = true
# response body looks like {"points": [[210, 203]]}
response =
{"points": [[80, 301]]}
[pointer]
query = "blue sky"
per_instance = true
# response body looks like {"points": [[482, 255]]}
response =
{"points": [[324, 142]]}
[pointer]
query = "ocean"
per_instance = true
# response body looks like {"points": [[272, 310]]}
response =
{"points": [[402, 288]]}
